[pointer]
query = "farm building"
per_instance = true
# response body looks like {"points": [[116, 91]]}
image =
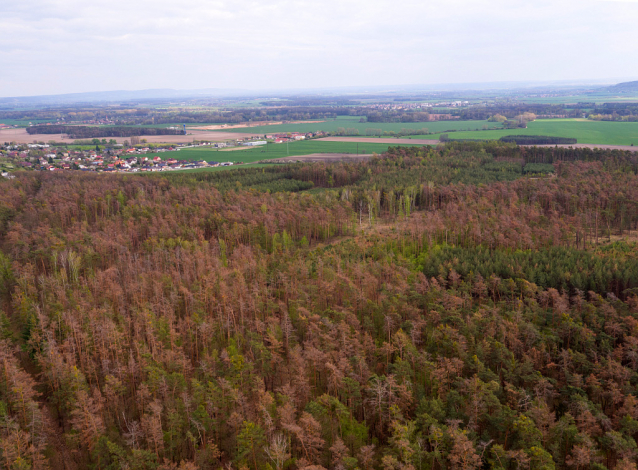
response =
{"points": [[255, 143]]}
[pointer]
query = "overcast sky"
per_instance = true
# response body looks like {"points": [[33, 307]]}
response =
{"points": [[67, 46]]}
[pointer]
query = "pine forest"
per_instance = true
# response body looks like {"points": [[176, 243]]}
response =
{"points": [[459, 307]]}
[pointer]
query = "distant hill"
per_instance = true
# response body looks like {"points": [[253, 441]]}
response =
{"points": [[625, 87], [118, 96]]}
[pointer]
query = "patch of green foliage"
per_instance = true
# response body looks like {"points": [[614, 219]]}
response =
{"points": [[560, 268], [542, 168]]}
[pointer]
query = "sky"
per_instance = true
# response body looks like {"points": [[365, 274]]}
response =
{"points": [[72, 46]]}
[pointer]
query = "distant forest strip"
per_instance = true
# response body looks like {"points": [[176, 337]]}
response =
{"points": [[537, 140], [520, 140], [90, 132]]}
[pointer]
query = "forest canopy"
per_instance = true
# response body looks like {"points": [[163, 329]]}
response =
{"points": [[473, 305]]}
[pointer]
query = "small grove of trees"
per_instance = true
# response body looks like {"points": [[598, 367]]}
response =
{"points": [[347, 131], [497, 118]]}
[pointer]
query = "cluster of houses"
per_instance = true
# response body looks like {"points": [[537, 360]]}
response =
{"points": [[44, 157], [116, 158], [290, 137], [416, 106], [283, 137]]}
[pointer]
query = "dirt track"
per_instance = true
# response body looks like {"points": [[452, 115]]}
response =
{"points": [[374, 140], [20, 136], [321, 157]]}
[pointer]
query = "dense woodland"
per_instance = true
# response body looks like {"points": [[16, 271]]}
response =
{"points": [[461, 307], [519, 140], [90, 132], [537, 140]]}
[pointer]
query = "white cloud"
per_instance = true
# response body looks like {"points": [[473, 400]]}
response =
{"points": [[71, 45]]}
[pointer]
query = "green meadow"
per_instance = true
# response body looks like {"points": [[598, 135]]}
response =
{"points": [[352, 122], [22, 122], [255, 154], [583, 98], [586, 132], [172, 124]]}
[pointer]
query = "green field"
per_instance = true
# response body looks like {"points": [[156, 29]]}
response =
{"points": [[22, 122], [582, 98], [250, 155], [332, 125], [174, 124], [586, 132]]}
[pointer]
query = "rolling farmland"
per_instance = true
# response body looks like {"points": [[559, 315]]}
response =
{"points": [[22, 122], [255, 154], [586, 132], [352, 122]]}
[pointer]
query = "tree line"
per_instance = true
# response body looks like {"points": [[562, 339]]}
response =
{"points": [[91, 132]]}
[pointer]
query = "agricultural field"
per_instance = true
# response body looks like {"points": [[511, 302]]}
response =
{"points": [[352, 122], [272, 151], [586, 132], [582, 98], [22, 122], [173, 124]]}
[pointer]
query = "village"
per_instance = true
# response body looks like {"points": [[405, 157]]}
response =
{"points": [[416, 106], [45, 157], [123, 158]]}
